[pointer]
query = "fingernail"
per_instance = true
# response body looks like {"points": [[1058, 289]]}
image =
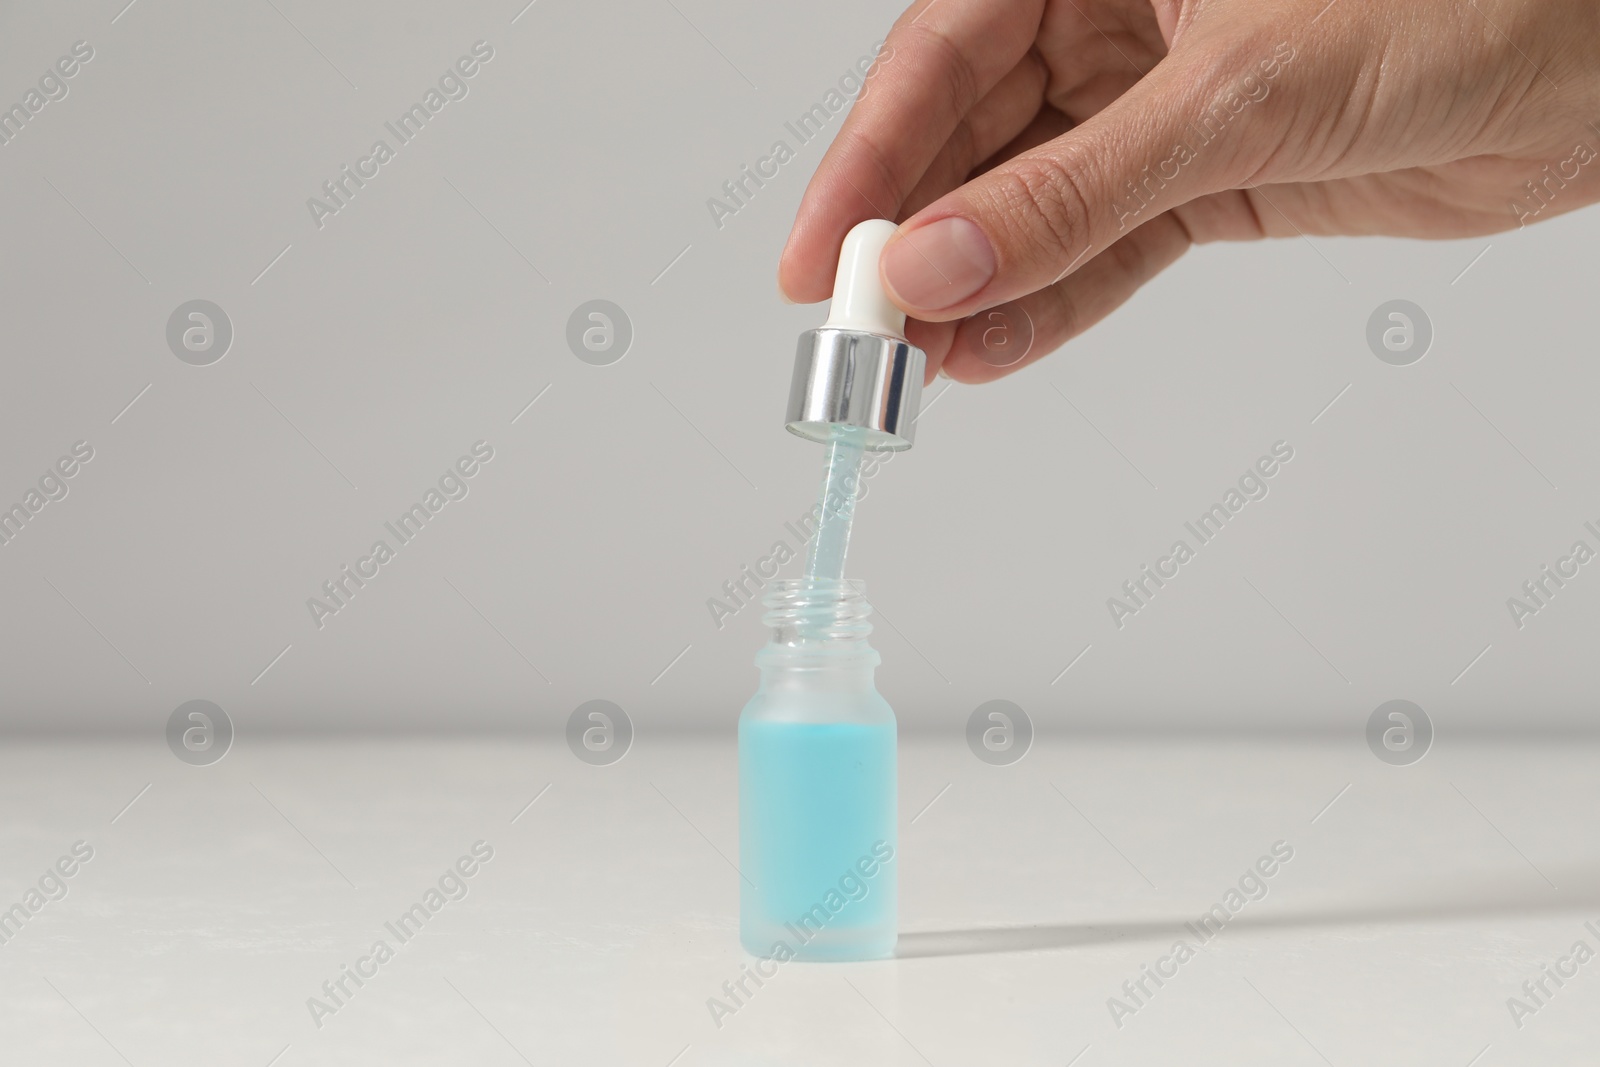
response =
{"points": [[938, 265], [781, 294]]}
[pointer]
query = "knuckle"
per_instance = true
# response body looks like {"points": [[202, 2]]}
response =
{"points": [[888, 174], [963, 148], [946, 58], [1043, 199], [1063, 319], [1131, 257]]}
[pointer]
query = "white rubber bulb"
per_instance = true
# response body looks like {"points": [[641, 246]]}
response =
{"points": [[859, 302]]}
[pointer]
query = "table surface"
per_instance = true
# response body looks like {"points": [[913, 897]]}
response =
{"points": [[219, 899]]}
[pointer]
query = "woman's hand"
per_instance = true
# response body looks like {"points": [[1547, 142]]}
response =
{"points": [[1059, 153]]}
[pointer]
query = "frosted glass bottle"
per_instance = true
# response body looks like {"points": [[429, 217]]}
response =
{"points": [[817, 784]]}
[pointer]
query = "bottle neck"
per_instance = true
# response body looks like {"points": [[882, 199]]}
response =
{"points": [[819, 632]]}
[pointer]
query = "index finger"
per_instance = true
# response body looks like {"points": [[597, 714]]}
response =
{"points": [[939, 59]]}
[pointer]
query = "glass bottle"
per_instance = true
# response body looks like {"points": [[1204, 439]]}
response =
{"points": [[817, 784]]}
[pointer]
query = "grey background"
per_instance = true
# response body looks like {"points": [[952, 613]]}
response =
{"points": [[427, 315]]}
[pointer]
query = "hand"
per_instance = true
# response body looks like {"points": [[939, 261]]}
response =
{"points": [[1059, 153]]}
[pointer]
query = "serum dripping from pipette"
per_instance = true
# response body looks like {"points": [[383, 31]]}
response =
{"points": [[817, 759]]}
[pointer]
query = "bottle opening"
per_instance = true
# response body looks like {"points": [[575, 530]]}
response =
{"points": [[818, 614]]}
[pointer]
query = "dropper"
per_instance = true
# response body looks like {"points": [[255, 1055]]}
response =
{"points": [[857, 386], [841, 480]]}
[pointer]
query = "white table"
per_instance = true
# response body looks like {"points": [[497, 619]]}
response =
{"points": [[216, 904]]}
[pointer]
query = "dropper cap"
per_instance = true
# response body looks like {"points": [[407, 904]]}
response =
{"points": [[858, 369]]}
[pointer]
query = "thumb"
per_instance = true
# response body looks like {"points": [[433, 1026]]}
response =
{"points": [[1198, 123]]}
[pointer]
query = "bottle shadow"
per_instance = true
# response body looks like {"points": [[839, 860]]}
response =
{"points": [[1580, 891]]}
